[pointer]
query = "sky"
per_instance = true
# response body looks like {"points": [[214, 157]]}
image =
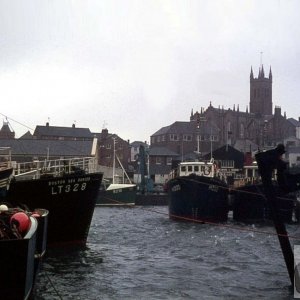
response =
{"points": [[134, 66]]}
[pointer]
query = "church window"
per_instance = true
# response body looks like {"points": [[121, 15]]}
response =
{"points": [[242, 131]]}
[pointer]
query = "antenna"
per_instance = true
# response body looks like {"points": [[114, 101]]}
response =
{"points": [[261, 54], [104, 125]]}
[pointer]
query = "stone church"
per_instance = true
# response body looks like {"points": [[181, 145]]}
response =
{"points": [[259, 127]]}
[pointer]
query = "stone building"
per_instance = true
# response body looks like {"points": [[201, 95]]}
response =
{"points": [[260, 127], [211, 128]]}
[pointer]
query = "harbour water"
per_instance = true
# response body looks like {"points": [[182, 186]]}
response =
{"points": [[138, 253]]}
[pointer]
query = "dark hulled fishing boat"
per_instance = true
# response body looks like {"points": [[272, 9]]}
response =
{"points": [[22, 245], [249, 203], [196, 193], [67, 188], [116, 194]]}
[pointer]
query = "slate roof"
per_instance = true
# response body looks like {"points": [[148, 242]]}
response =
{"points": [[294, 122], [40, 147], [62, 131], [27, 135], [5, 128], [183, 127], [232, 154]]}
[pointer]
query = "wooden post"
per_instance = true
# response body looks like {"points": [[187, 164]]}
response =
{"points": [[267, 162]]}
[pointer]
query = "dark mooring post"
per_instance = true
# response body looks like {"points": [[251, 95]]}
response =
{"points": [[267, 162]]}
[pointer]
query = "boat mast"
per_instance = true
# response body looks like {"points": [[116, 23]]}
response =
{"points": [[114, 160]]}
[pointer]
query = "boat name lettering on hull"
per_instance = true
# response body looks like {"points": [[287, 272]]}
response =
{"points": [[69, 181], [68, 188], [176, 188], [213, 188], [117, 191]]}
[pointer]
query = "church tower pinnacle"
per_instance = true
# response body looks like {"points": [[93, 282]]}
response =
{"points": [[261, 93]]}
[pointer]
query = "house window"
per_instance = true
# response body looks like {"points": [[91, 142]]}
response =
{"points": [[158, 139], [173, 137], [169, 160], [227, 163], [163, 138], [187, 137], [108, 146], [158, 160], [152, 140]]}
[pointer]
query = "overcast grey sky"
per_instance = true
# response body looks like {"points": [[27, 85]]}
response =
{"points": [[135, 66]]}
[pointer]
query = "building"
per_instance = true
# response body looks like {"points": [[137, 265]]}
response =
{"points": [[214, 127], [112, 146], [62, 133], [6, 132], [26, 150], [135, 148]]}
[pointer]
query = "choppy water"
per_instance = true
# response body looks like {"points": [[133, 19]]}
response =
{"points": [[138, 253]]}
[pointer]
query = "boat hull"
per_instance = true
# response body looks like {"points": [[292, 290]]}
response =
{"points": [[119, 196], [70, 200], [250, 205], [4, 180], [198, 198], [17, 261]]}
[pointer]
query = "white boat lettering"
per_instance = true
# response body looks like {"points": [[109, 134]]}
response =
{"points": [[57, 182], [213, 188], [60, 189], [117, 191], [75, 189], [176, 188], [84, 179]]}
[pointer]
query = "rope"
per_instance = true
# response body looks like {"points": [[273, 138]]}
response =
{"points": [[203, 221], [53, 286], [235, 189]]}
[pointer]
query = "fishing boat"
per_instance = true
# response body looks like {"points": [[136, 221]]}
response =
{"points": [[5, 176], [22, 246], [249, 203], [197, 193], [116, 193], [67, 188]]}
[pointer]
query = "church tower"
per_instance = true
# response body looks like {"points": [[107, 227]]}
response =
{"points": [[261, 93]]}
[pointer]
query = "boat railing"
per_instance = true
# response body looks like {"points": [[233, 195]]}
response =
{"points": [[57, 167]]}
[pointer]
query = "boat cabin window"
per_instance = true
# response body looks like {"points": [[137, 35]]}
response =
{"points": [[196, 168], [183, 169], [190, 168]]}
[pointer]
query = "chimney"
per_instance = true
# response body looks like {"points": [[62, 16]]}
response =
{"points": [[73, 125], [104, 133]]}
